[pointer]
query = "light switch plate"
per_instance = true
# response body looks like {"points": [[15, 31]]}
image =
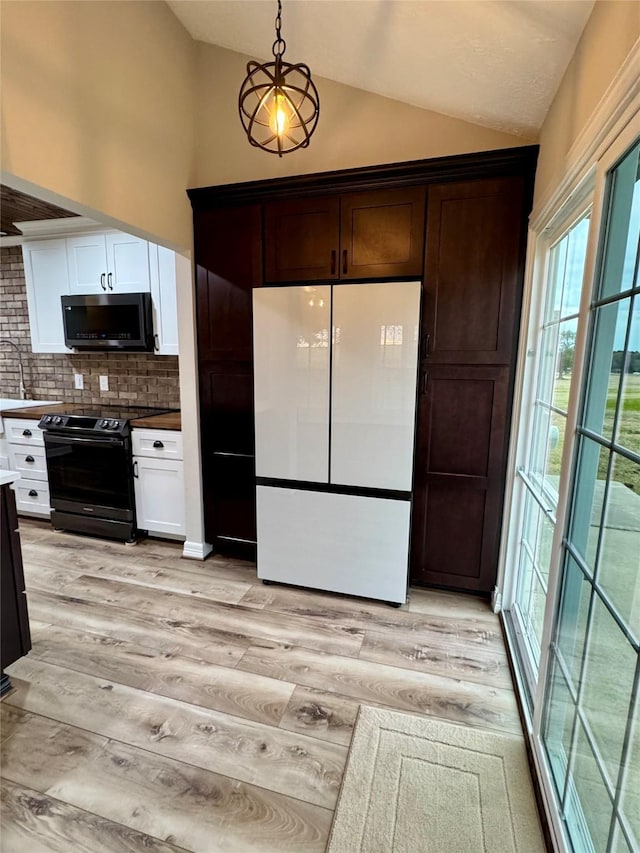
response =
{"points": [[104, 383], [78, 381]]}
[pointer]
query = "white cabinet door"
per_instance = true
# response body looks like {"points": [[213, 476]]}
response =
{"points": [[374, 372], [343, 543], [87, 257], [47, 279], [127, 263], [159, 493], [291, 381], [162, 264]]}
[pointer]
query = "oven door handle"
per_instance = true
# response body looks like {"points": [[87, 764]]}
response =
{"points": [[85, 442]]}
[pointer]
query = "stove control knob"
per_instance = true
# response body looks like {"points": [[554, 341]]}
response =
{"points": [[48, 419], [114, 424], [57, 419], [104, 424]]}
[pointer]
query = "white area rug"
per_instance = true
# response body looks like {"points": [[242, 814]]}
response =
{"points": [[419, 785]]}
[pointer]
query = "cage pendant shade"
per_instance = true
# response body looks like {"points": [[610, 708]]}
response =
{"points": [[278, 102]]}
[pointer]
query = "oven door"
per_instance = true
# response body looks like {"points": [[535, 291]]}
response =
{"points": [[90, 476]]}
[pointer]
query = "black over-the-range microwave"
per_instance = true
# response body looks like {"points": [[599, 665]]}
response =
{"points": [[108, 321]]}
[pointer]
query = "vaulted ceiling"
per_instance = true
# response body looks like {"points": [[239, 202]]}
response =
{"points": [[496, 63]]}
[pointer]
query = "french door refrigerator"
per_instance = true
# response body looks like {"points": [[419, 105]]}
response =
{"points": [[335, 371]]}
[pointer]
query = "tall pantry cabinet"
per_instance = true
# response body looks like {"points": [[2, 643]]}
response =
{"points": [[458, 226]]}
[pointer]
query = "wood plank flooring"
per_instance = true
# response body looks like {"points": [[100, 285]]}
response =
{"points": [[171, 705]]}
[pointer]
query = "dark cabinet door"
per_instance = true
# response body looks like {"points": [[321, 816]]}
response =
{"points": [[382, 234], [16, 638], [461, 442], [472, 269], [362, 236], [301, 239], [228, 249], [474, 256]]}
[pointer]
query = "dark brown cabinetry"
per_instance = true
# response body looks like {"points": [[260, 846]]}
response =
{"points": [[228, 250], [369, 224], [472, 282], [15, 637], [353, 236]]}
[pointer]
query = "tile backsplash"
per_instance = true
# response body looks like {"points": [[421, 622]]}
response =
{"points": [[143, 379]]}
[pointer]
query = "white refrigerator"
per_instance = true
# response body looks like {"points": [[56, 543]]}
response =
{"points": [[335, 374]]}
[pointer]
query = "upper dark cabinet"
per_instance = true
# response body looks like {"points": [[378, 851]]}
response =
{"points": [[473, 270], [301, 239], [363, 235]]}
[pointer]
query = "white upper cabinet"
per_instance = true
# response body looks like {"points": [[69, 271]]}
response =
{"points": [[164, 264], [291, 375], [47, 279], [374, 373], [95, 263], [108, 263]]}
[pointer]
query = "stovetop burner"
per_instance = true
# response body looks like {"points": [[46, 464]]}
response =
{"points": [[97, 418]]}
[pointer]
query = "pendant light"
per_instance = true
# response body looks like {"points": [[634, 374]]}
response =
{"points": [[278, 102]]}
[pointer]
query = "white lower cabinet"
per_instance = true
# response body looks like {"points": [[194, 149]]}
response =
{"points": [[159, 482], [27, 456]]}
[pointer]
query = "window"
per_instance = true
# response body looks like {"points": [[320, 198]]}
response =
{"points": [[591, 724]]}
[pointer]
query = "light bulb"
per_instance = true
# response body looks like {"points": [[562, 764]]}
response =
{"points": [[311, 303], [322, 303], [279, 120]]}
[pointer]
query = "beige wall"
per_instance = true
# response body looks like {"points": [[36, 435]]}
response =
{"points": [[97, 108], [609, 35], [355, 129]]}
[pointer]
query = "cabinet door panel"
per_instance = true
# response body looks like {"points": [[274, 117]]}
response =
{"points": [[159, 493], [460, 461], [473, 271], [87, 257], [291, 375], [47, 279], [375, 360], [382, 234], [128, 263], [301, 239], [163, 269]]}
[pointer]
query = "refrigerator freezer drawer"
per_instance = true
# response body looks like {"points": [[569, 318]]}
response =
{"points": [[342, 543]]}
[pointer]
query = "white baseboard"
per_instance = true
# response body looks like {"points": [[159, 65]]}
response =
{"points": [[196, 550]]}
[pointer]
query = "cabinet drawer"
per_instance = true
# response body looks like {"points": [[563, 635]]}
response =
{"points": [[23, 431], [32, 496], [31, 462], [157, 443]]}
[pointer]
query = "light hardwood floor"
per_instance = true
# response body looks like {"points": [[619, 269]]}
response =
{"points": [[174, 705]]}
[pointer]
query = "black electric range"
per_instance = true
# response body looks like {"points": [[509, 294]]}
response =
{"points": [[89, 462]]}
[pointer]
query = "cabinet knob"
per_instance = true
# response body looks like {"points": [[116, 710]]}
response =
{"points": [[158, 444], [27, 432], [29, 459], [33, 493]]}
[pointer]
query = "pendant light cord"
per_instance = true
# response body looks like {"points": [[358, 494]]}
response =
{"points": [[279, 45]]}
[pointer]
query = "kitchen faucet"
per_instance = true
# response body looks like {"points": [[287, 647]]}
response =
{"points": [[22, 389]]}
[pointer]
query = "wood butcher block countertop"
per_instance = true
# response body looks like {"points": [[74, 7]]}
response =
{"points": [[170, 420], [34, 413]]}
